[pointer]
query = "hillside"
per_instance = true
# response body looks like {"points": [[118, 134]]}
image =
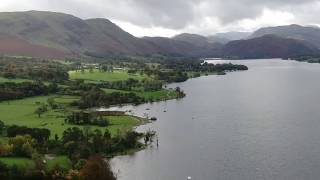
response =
{"points": [[174, 47], [195, 39], [200, 40], [216, 39], [12, 45], [48, 29], [226, 37], [122, 41], [306, 33], [268, 46], [68, 33]]}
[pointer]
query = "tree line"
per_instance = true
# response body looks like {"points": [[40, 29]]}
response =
{"points": [[96, 97], [35, 70], [87, 118], [133, 84], [12, 91]]}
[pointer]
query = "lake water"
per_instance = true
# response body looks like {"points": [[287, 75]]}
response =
{"points": [[263, 123]]}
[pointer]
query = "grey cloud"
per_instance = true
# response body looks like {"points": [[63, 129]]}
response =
{"points": [[163, 13], [173, 14], [177, 14]]}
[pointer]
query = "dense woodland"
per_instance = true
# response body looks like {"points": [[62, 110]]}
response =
{"points": [[77, 144], [31, 68], [11, 91]]}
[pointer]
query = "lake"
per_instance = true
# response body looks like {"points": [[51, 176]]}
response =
{"points": [[263, 123]]}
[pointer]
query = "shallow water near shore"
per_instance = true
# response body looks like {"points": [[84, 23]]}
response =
{"points": [[263, 123]]}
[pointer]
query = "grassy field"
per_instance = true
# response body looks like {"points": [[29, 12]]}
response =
{"points": [[23, 115], [155, 95], [2, 80], [97, 76], [10, 161], [158, 95], [61, 161]]}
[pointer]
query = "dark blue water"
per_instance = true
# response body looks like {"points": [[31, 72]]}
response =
{"points": [[260, 124]]}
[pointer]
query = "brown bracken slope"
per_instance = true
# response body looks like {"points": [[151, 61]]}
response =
{"points": [[11, 45]]}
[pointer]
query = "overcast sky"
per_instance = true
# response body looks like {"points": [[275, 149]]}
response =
{"points": [[170, 17]]}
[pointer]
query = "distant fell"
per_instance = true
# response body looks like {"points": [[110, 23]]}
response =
{"points": [[309, 34], [268, 46]]}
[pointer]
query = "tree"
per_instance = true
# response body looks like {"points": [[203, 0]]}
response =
{"points": [[2, 126], [130, 139], [22, 145], [4, 169], [73, 134], [40, 164], [40, 110], [180, 93], [41, 135], [56, 137], [11, 71], [53, 87], [71, 148], [51, 102], [132, 71], [148, 138], [107, 141], [98, 142], [10, 90], [72, 140], [5, 149], [97, 168], [91, 69]]}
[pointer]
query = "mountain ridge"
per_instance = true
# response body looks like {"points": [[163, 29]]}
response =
{"points": [[57, 35], [97, 37]]}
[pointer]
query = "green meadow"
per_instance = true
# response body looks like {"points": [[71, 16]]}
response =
{"points": [[98, 76], [22, 113]]}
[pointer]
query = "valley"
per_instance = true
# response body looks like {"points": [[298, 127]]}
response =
{"points": [[152, 91], [53, 114]]}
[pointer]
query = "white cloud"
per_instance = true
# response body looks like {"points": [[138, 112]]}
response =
{"points": [[268, 18], [139, 31]]}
